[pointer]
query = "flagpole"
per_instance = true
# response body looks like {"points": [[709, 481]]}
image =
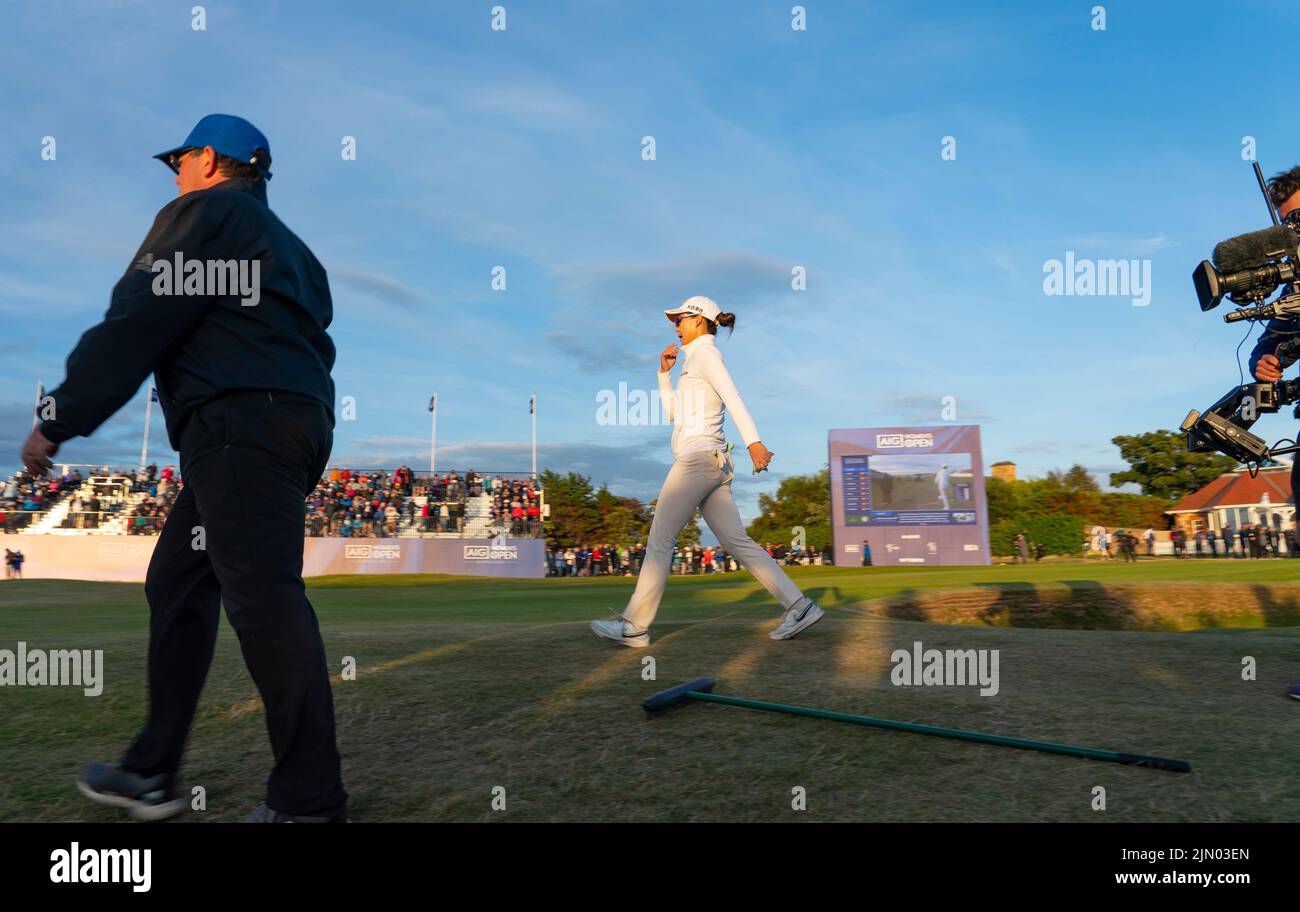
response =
{"points": [[144, 445], [532, 410], [433, 438], [40, 394]]}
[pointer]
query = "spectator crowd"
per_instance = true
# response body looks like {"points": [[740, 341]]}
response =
{"points": [[359, 505], [160, 490], [516, 506], [25, 498], [349, 504], [1249, 541], [345, 503], [626, 560]]}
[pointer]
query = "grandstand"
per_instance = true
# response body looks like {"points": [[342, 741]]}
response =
{"points": [[403, 504], [347, 503]]}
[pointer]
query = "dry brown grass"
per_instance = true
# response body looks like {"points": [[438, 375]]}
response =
{"points": [[1088, 605]]}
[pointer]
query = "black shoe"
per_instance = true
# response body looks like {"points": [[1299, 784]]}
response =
{"points": [[264, 814], [143, 797], [1293, 691]]}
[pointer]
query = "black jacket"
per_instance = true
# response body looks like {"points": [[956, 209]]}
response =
{"points": [[1276, 332], [202, 346]]}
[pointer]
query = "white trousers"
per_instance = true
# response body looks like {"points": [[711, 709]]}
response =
{"points": [[700, 479]]}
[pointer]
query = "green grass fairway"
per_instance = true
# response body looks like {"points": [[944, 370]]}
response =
{"points": [[467, 684]]}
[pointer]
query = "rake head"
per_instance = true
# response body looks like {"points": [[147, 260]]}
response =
{"points": [[675, 696]]}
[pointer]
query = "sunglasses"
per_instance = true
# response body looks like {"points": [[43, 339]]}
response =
{"points": [[677, 321], [174, 160]]}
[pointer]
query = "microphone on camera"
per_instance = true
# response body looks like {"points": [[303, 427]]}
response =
{"points": [[1249, 250]]}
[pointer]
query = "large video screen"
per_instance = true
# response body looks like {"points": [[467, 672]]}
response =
{"points": [[908, 495], [923, 489]]}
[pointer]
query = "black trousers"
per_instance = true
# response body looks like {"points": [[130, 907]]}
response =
{"points": [[235, 537]]}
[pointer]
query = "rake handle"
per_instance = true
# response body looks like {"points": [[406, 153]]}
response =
{"points": [[1087, 753]]}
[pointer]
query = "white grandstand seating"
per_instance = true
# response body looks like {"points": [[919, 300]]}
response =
{"points": [[118, 504]]}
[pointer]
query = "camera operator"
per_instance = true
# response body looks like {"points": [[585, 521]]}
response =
{"points": [[1284, 190]]}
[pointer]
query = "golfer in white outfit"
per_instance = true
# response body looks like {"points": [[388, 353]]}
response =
{"points": [[941, 479], [701, 477]]}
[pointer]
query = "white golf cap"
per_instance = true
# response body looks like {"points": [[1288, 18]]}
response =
{"points": [[698, 305]]}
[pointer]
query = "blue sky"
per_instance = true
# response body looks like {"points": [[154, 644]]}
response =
{"points": [[775, 148]]}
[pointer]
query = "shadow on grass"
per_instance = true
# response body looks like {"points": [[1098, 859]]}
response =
{"points": [[1085, 604], [1277, 612], [759, 599]]}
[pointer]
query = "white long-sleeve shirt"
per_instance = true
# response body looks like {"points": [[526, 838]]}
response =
{"points": [[704, 389]]}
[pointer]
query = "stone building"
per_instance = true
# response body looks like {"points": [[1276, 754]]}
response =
{"points": [[1004, 470]]}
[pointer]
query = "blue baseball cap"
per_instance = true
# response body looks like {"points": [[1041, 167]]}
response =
{"points": [[232, 136]]}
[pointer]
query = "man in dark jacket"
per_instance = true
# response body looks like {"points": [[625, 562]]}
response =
{"points": [[229, 310]]}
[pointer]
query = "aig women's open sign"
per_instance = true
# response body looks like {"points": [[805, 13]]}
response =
{"points": [[913, 495]]}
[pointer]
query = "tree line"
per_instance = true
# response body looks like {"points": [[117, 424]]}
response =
{"points": [[1055, 510]]}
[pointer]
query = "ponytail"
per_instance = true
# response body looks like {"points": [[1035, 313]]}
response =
{"points": [[724, 319]]}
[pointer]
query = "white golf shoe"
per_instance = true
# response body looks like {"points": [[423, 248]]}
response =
{"points": [[802, 615], [621, 631]]}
